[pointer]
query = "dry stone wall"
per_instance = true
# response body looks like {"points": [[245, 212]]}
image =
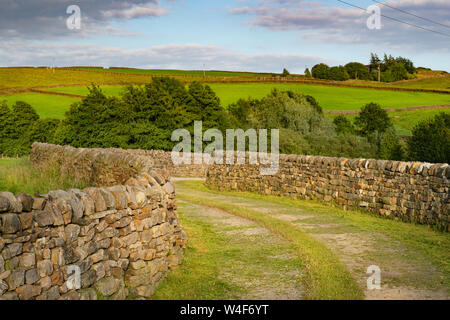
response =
{"points": [[163, 160], [408, 191], [122, 235]]}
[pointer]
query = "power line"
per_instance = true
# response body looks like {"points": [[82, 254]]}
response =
{"points": [[398, 20], [412, 14]]}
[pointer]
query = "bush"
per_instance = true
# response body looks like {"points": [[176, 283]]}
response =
{"points": [[430, 141]]}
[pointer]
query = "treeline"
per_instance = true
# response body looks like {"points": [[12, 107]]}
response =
{"points": [[145, 117], [388, 69]]}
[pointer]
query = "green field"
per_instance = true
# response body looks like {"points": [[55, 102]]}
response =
{"points": [[330, 98], [404, 121], [197, 73], [47, 106]]}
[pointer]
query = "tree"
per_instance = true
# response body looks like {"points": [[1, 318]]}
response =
{"points": [[343, 125], [395, 72], [357, 70], [408, 64], [390, 146], [338, 74], [320, 71], [430, 141], [372, 119], [375, 62], [285, 73], [308, 73]]}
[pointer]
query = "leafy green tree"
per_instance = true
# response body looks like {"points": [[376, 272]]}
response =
{"points": [[371, 119], [390, 146], [320, 71], [338, 73], [395, 72], [408, 64], [285, 73], [357, 70], [430, 141], [343, 125]]}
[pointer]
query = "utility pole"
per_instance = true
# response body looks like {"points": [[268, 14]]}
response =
{"points": [[379, 73], [204, 71], [53, 65]]}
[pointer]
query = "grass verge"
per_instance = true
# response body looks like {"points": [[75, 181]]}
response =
{"points": [[18, 175]]}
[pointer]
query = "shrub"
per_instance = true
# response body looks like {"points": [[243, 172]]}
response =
{"points": [[430, 140]]}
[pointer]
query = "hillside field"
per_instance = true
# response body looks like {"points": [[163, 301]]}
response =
{"points": [[74, 81]]}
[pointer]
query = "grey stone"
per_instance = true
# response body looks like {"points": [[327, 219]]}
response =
{"points": [[9, 296], [45, 268], [169, 188], [71, 233], [43, 218], [3, 287], [16, 279], [4, 204], [88, 278], [12, 250], [108, 286], [10, 223], [27, 201], [14, 204], [32, 276]]}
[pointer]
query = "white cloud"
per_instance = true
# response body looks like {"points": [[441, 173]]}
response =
{"points": [[172, 56]]}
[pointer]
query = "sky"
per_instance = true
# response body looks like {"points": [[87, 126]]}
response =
{"points": [[239, 35]]}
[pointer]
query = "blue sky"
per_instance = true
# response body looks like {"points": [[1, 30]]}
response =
{"points": [[246, 35]]}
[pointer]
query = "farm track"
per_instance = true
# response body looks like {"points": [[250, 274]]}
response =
{"points": [[406, 273]]}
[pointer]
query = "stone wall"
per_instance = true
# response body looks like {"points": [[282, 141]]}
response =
{"points": [[163, 160], [122, 237], [408, 191]]}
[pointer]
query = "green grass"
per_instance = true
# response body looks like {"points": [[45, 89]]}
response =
{"points": [[47, 106], [404, 121], [332, 98], [24, 78], [441, 83], [18, 175], [325, 276], [198, 73], [83, 90]]}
